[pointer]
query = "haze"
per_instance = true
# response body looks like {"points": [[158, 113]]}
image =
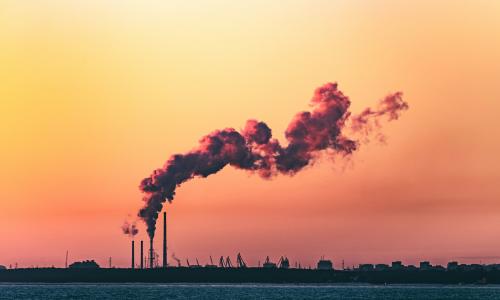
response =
{"points": [[95, 95]]}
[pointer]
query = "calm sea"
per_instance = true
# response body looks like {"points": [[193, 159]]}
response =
{"points": [[243, 291]]}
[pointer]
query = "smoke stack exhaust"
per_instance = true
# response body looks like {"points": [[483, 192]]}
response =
{"points": [[142, 254], [328, 127], [133, 255], [164, 239], [151, 254]]}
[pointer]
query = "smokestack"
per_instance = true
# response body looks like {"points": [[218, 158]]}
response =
{"points": [[142, 254], [164, 239], [133, 255], [151, 253]]}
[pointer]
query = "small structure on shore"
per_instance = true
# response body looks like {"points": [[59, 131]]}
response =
{"points": [[87, 264]]}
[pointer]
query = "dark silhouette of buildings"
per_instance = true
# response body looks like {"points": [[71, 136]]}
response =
{"points": [[86, 264], [366, 267], [268, 264], [324, 264], [397, 272], [425, 265], [382, 267], [397, 265], [452, 266]]}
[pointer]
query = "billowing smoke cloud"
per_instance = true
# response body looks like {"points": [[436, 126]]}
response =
{"points": [[254, 149], [130, 229]]}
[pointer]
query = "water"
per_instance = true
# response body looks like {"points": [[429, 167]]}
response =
{"points": [[243, 291]]}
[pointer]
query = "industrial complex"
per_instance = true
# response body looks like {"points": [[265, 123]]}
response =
{"points": [[149, 267]]}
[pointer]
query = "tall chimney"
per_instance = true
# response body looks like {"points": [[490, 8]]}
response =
{"points": [[151, 254], [164, 239], [133, 255], [142, 254]]}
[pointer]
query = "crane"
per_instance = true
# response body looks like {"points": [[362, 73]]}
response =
{"points": [[221, 262], [177, 260], [193, 266], [284, 263], [240, 262], [211, 264], [228, 262]]}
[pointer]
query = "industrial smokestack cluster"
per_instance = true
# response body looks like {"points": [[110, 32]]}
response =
{"points": [[328, 127], [151, 249]]}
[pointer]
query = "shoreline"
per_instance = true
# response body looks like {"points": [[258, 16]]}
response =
{"points": [[247, 276]]}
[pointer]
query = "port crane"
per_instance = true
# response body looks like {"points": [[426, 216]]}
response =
{"points": [[221, 262], [284, 263], [228, 262], [240, 262], [177, 260], [193, 266], [211, 265], [225, 263]]}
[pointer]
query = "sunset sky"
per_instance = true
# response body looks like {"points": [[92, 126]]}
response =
{"points": [[94, 95]]}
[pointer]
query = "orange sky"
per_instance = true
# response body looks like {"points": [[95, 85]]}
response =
{"points": [[95, 95]]}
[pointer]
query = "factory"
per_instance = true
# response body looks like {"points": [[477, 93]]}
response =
{"points": [[151, 267], [152, 259]]}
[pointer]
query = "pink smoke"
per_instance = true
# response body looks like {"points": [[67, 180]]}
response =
{"points": [[130, 229], [254, 149], [369, 119]]}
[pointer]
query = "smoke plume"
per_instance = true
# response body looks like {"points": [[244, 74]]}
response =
{"points": [[130, 229], [254, 149]]}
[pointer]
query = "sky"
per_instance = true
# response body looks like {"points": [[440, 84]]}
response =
{"points": [[94, 95]]}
